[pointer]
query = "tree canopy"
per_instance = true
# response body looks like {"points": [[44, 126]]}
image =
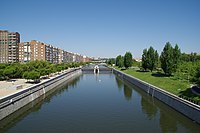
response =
{"points": [[120, 61], [166, 59], [128, 60], [32, 69], [150, 59]]}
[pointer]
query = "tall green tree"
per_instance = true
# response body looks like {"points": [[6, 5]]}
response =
{"points": [[128, 60], [119, 61], [151, 58], [156, 59], [166, 59], [145, 59], [176, 57]]}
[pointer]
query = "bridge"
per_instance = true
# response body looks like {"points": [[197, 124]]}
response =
{"points": [[96, 68]]}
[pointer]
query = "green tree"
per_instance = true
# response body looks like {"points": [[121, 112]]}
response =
{"points": [[33, 75], [156, 59], [1, 74], [144, 60], [197, 76], [151, 59], [176, 57], [119, 61], [111, 61], [193, 57], [9, 72], [166, 59], [185, 57], [128, 60]]}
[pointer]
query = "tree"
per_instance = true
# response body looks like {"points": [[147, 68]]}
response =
{"points": [[111, 61], [9, 72], [128, 60], [144, 59], [31, 75], [156, 59], [197, 76], [1, 74], [166, 59], [176, 57], [151, 59], [119, 61], [193, 57]]}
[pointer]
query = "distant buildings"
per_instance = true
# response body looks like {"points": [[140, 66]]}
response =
{"points": [[9, 44], [12, 50]]}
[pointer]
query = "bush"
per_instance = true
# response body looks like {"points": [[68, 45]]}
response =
{"points": [[33, 75]]}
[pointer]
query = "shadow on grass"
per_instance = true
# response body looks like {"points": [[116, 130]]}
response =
{"points": [[142, 71], [159, 74], [188, 93]]}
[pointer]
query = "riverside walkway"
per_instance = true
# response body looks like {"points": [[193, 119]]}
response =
{"points": [[15, 85]]}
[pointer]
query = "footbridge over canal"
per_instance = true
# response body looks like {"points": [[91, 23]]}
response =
{"points": [[96, 68]]}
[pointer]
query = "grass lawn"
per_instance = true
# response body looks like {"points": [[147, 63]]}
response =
{"points": [[170, 84]]}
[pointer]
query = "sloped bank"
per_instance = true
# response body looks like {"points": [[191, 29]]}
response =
{"points": [[13, 102], [185, 107]]}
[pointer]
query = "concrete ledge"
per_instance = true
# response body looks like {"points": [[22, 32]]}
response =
{"points": [[11, 103], [183, 106]]}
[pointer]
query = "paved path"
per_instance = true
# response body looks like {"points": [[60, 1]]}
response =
{"points": [[15, 85], [10, 87]]}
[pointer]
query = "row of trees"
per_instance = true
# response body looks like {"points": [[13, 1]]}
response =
{"points": [[124, 61], [32, 70], [169, 59], [172, 61]]}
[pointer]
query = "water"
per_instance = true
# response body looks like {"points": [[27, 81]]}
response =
{"points": [[98, 104]]}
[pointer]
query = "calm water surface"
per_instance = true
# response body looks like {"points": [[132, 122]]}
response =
{"points": [[98, 104]]}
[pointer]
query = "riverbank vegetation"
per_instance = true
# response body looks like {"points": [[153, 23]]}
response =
{"points": [[172, 71], [33, 70]]}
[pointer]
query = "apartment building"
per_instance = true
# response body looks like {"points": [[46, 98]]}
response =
{"points": [[24, 52], [55, 55], [9, 46], [68, 57], [49, 53], [60, 55], [37, 50]]}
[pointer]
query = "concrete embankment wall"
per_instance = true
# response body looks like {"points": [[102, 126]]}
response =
{"points": [[187, 108], [13, 102]]}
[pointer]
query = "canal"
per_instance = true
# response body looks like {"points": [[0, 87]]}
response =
{"points": [[97, 103]]}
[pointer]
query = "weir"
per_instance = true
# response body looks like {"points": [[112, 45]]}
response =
{"points": [[96, 68]]}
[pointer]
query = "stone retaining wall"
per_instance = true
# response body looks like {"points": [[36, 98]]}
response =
{"points": [[185, 107], [13, 102]]}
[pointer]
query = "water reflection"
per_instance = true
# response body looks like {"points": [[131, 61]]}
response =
{"points": [[167, 123], [125, 87], [168, 119], [127, 92], [151, 110], [119, 82], [36, 105]]}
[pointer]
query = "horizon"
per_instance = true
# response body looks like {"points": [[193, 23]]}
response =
{"points": [[106, 28]]}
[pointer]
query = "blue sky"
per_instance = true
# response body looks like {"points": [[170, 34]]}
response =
{"points": [[105, 28]]}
